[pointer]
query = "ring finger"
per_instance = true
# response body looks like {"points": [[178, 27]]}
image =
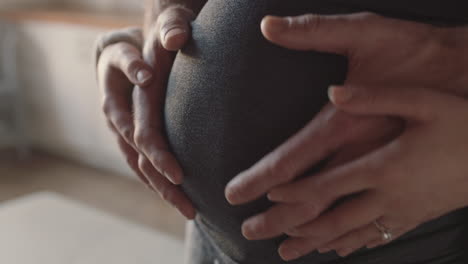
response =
{"points": [[355, 240], [167, 191]]}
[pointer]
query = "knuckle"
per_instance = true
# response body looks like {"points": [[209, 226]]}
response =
{"points": [[141, 138], [178, 13], [123, 49], [307, 22], [133, 163], [311, 210], [167, 194], [277, 170], [127, 132], [132, 66], [263, 225], [143, 164]]}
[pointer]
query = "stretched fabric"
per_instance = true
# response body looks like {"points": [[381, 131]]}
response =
{"points": [[233, 97]]}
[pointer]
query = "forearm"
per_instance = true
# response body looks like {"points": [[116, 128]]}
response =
{"points": [[154, 7]]}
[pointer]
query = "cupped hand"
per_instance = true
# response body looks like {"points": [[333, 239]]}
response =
{"points": [[133, 96], [382, 52]]}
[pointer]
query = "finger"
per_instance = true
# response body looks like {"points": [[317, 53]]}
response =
{"points": [[396, 232], [149, 135], [324, 188], [414, 103], [173, 26], [386, 130], [116, 89], [277, 220], [340, 34], [132, 159], [160, 157], [351, 214], [128, 59], [353, 241], [117, 109], [343, 219], [168, 192], [130, 154], [149, 120], [327, 186], [314, 143]]}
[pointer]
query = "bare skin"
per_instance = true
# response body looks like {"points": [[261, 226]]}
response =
{"points": [[420, 56], [140, 133]]}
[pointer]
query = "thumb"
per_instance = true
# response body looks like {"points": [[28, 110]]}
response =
{"points": [[174, 27], [417, 104], [340, 34], [127, 59]]}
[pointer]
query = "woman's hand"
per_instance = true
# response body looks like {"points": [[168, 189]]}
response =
{"points": [[138, 121], [391, 53], [419, 176]]}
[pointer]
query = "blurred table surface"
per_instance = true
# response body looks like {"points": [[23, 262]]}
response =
{"points": [[46, 228]]}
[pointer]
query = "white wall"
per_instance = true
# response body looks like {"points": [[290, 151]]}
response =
{"points": [[27, 3], [119, 6], [63, 102], [57, 77], [108, 6]]}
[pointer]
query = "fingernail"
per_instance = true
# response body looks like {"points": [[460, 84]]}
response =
{"points": [[248, 231], [173, 32], [339, 94], [143, 76], [290, 254], [231, 194], [274, 24]]}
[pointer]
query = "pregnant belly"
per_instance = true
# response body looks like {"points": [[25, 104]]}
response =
{"points": [[232, 98]]}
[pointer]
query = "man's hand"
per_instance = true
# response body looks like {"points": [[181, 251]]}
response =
{"points": [[138, 122], [382, 52]]}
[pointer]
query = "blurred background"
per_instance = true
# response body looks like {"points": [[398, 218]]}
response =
{"points": [[66, 194]]}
